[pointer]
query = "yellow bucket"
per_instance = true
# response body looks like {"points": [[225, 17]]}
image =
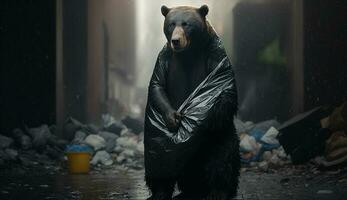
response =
{"points": [[78, 162]]}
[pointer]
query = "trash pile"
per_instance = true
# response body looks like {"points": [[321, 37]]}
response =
{"points": [[115, 142], [259, 145], [335, 151], [32, 147], [318, 135]]}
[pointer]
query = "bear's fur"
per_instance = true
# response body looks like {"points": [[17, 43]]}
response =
{"points": [[213, 172]]}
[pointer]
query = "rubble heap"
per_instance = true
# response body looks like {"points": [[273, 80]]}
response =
{"points": [[32, 147], [111, 143], [318, 135], [259, 145]]}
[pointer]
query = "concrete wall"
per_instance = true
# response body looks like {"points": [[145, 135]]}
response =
{"points": [[121, 26]]}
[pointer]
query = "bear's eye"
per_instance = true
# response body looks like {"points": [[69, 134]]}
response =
{"points": [[172, 24], [184, 24]]}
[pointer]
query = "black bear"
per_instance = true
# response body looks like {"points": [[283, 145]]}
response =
{"points": [[193, 50]]}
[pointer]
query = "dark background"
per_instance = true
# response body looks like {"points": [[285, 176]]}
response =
{"points": [[28, 59], [27, 63]]}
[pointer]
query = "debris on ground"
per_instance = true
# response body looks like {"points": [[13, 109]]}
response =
{"points": [[302, 136], [270, 137], [5, 142], [259, 145], [79, 137], [134, 124], [335, 150], [111, 143], [102, 157], [32, 147], [41, 136], [110, 139], [318, 136], [111, 125], [114, 142], [21, 139], [95, 141], [338, 118]]}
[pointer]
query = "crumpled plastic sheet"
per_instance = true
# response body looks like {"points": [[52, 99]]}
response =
{"points": [[196, 107]]}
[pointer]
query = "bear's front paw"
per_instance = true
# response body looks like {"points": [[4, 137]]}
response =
{"points": [[172, 120]]}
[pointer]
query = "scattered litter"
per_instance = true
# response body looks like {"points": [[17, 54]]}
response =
{"points": [[24, 141], [302, 136], [12, 154], [337, 119], [111, 125], [71, 126], [243, 127], [336, 146], [265, 145], [266, 125], [79, 137], [95, 141], [110, 139], [78, 148], [102, 157], [270, 136], [263, 166], [41, 136], [135, 125], [248, 143], [5, 142], [257, 142]]}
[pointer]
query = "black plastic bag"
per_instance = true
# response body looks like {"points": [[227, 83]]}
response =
{"points": [[196, 107], [166, 152]]}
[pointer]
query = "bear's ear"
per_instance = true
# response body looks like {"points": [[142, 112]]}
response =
{"points": [[203, 10], [164, 10]]}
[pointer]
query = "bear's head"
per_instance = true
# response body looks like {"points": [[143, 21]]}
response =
{"points": [[185, 27]]}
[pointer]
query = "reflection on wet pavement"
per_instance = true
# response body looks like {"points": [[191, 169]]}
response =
{"points": [[122, 183], [111, 184]]}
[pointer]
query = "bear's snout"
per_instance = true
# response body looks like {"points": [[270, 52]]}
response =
{"points": [[178, 39]]}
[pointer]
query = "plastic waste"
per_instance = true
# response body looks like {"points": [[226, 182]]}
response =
{"points": [[112, 125], [79, 137], [102, 157], [167, 152], [5, 142], [248, 144], [78, 148], [95, 141], [21, 139], [41, 136], [196, 107], [270, 136], [110, 139]]}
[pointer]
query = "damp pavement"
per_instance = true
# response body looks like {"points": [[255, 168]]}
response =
{"points": [[122, 184]]}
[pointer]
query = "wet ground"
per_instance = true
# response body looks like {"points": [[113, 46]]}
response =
{"points": [[123, 184]]}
